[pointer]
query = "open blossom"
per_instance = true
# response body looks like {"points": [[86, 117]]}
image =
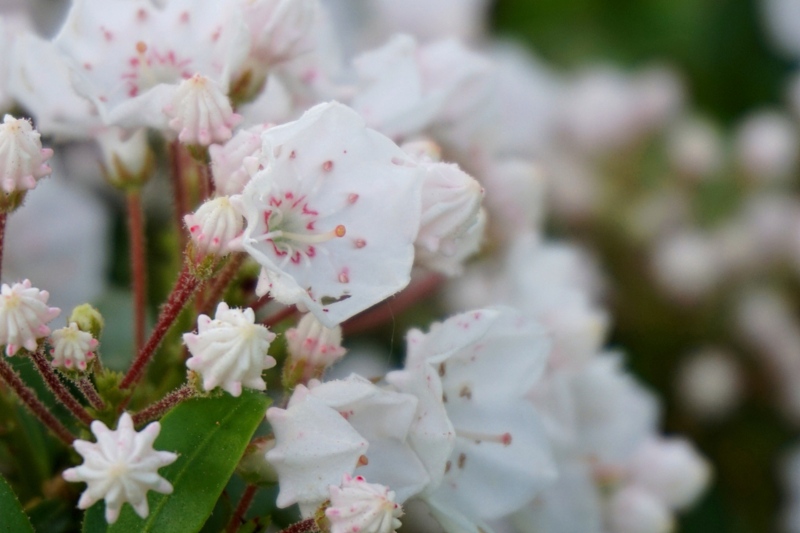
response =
{"points": [[480, 364], [230, 351], [23, 316], [363, 507], [128, 57], [201, 112], [72, 347], [120, 467], [333, 215], [214, 226], [22, 158]]}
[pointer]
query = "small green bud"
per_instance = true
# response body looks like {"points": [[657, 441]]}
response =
{"points": [[88, 319]]}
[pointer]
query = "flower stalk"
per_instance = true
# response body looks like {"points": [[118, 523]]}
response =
{"points": [[60, 390]]}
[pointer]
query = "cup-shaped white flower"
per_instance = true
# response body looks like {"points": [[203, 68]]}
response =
{"points": [[333, 215], [634, 510], [201, 112], [363, 507], [485, 362], [72, 347], [314, 347], [228, 160], [230, 351], [22, 158], [120, 467], [214, 226], [24, 315]]}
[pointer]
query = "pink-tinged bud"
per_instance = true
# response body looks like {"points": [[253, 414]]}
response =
{"points": [[215, 226], [313, 347], [201, 112], [22, 158], [72, 348], [24, 314], [228, 164], [363, 507]]}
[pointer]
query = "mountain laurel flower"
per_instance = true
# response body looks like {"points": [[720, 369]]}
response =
{"points": [[72, 347], [228, 160], [280, 29], [230, 351], [215, 226], [313, 347], [22, 158], [120, 467], [363, 507], [24, 314], [333, 214], [201, 112]]}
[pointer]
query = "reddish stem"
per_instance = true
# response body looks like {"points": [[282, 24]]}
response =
{"points": [[90, 393], [309, 525], [156, 409], [244, 504], [223, 279], [59, 389], [386, 310], [184, 288], [283, 314], [138, 268], [179, 187], [3, 218], [260, 302], [34, 405]]}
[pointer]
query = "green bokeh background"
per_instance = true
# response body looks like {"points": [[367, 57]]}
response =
{"points": [[730, 67]]}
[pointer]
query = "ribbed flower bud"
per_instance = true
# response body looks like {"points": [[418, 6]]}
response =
{"points": [[24, 314], [22, 158], [72, 347], [214, 226], [227, 160], [363, 507], [312, 348], [201, 113]]}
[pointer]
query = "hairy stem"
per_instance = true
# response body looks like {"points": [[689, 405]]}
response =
{"points": [[241, 509], [184, 288], [177, 167], [309, 525], [34, 405], [3, 218], [156, 409], [90, 393], [138, 267], [60, 390], [221, 282]]}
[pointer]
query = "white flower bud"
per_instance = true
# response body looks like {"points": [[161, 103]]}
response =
{"points": [[201, 113], [23, 316], [214, 226], [634, 510], [766, 146], [687, 265], [671, 470], [120, 467], [227, 161], [710, 384], [126, 158], [316, 346], [230, 351], [22, 158], [363, 507], [72, 347], [694, 148]]}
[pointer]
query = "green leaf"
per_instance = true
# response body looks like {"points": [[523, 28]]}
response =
{"points": [[210, 435], [13, 518]]}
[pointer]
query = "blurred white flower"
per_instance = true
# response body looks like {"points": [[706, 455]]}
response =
{"points": [[22, 158], [766, 146], [634, 510], [709, 384]]}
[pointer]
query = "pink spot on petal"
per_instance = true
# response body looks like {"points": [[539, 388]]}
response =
{"points": [[360, 243], [352, 198], [327, 166]]}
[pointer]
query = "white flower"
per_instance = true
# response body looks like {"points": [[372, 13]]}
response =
{"points": [[215, 226], [128, 56], [231, 350], [672, 470], [228, 160], [72, 347], [316, 346], [120, 467], [333, 215], [126, 158], [22, 158], [280, 29], [201, 113], [766, 146], [634, 510], [23, 316], [483, 362], [710, 384], [363, 507], [315, 446]]}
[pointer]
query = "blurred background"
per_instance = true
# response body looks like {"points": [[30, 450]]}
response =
{"points": [[694, 220]]}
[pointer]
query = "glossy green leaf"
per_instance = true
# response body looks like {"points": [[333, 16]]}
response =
{"points": [[210, 435], [12, 518]]}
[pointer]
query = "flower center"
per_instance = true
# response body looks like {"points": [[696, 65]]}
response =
{"points": [[150, 67]]}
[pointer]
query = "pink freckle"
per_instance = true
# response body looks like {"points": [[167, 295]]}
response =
{"points": [[344, 151], [505, 438], [296, 258], [311, 251], [107, 35], [215, 240], [133, 91], [289, 195], [194, 229], [141, 14], [360, 479], [103, 99], [352, 198], [293, 154], [87, 66], [216, 34], [185, 17], [327, 166], [476, 316], [310, 225], [360, 243], [344, 277], [397, 161], [68, 362]]}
